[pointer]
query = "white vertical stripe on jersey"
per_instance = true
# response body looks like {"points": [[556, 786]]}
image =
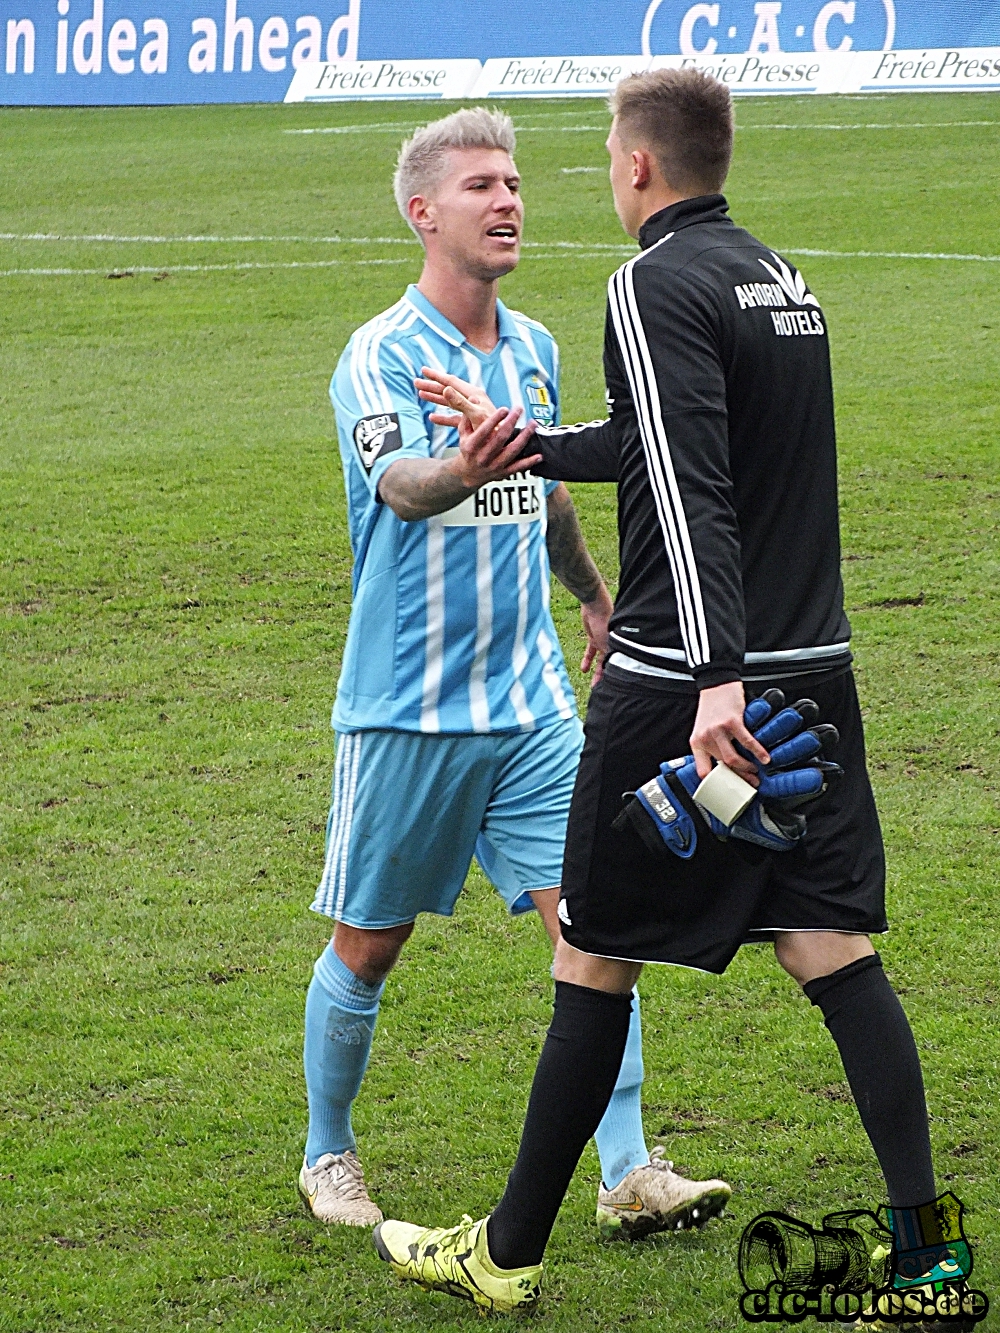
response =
{"points": [[479, 708], [513, 381], [434, 633], [473, 368], [524, 330], [479, 704], [543, 561], [677, 503], [440, 434], [519, 655], [352, 783], [551, 676]]}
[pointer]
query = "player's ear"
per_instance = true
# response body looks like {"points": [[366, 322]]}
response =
{"points": [[642, 167], [421, 213]]}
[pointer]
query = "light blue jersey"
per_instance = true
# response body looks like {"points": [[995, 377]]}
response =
{"points": [[450, 628]]}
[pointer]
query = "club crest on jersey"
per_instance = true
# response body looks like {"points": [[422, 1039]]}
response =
{"points": [[375, 436], [540, 401]]}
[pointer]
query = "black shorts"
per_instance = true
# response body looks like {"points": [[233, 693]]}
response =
{"points": [[621, 900]]}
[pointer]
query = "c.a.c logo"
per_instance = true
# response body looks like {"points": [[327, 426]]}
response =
{"points": [[731, 27]]}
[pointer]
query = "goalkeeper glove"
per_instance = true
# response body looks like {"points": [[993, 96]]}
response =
{"points": [[665, 811]]}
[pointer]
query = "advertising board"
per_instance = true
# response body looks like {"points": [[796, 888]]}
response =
{"points": [[108, 52]]}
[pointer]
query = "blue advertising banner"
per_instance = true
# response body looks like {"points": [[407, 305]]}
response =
{"points": [[107, 52]]}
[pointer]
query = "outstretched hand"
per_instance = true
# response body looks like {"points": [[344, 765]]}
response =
{"points": [[471, 403]]}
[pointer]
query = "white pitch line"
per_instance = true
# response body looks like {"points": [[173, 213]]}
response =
{"points": [[388, 127], [103, 239], [909, 125], [564, 253], [580, 171], [127, 269], [380, 127], [887, 254], [132, 269]]}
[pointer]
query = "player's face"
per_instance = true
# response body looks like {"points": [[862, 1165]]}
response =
{"points": [[628, 200], [477, 212]]}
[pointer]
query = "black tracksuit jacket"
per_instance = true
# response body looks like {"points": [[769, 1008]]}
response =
{"points": [[721, 439]]}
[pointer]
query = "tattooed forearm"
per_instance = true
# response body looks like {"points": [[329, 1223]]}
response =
{"points": [[569, 558], [416, 488]]}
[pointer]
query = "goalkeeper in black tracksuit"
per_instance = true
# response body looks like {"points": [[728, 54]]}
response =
{"points": [[721, 440]]}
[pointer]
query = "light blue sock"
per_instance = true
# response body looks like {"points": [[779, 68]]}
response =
{"points": [[620, 1140], [340, 1022]]}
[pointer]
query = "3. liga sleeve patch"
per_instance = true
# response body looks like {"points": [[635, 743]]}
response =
{"points": [[375, 436]]}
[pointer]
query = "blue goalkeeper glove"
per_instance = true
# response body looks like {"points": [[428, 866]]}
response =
{"points": [[665, 814]]}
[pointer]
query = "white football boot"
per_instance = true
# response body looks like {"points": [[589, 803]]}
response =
{"points": [[655, 1198], [335, 1191]]}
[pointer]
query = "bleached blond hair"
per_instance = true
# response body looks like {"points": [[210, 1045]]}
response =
{"points": [[423, 160]]}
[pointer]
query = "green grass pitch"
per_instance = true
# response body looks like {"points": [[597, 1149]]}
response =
{"points": [[175, 586]]}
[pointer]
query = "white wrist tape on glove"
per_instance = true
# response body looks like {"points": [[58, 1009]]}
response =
{"points": [[724, 794]]}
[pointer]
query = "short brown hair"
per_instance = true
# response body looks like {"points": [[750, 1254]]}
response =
{"points": [[685, 118]]}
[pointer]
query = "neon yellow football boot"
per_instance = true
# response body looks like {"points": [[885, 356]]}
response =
{"points": [[457, 1260]]}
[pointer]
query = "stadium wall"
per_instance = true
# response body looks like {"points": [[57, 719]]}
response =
{"points": [[114, 52]]}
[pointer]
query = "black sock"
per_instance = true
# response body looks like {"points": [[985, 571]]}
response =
{"points": [[882, 1066], [573, 1084]]}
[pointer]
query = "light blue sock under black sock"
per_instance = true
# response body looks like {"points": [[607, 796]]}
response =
{"points": [[341, 1010], [620, 1139]]}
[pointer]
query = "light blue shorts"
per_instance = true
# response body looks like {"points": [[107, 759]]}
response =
{"points": [[410, 811]]}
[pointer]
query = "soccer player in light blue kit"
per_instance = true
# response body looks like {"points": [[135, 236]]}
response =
{"points": [[453, 692]]}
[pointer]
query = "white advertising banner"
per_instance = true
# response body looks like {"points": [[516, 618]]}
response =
{"points": [[960, 69], [382, 80], [555, 76], [769, 73], [760, 73], [973, 68]]}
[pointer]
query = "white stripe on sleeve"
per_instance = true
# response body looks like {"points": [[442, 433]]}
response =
{"points": [[666, 493], [399, 324]]}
